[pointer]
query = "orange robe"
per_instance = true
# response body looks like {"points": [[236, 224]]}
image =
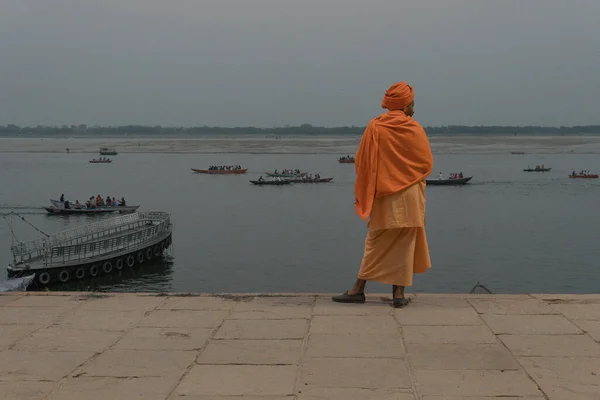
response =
{"points": [[392, 162]]}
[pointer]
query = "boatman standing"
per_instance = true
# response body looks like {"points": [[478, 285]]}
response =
{"points": [[393, 159]]}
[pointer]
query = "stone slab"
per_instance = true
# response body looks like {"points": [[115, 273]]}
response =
{"points": [[365, 373], [354, 394], [472, 383], [511, 306], [461, 357], [183, 319], [138, 363], [439, 301], [238, 380], [563, 378], [552, 346], [448, 334], [10, 334], [257, 352], [262, 310], [122, 302], [82, 388], [353, 324], [45, 301], [26, 391], [39, 365], [30, 315], [8, 298], [591, 328], [482, 398], [530, 324], [197, 303], [263, 329], [102, 320], [356, 346], [437, 316], [589, 312], [58, 338], [164, 339]]}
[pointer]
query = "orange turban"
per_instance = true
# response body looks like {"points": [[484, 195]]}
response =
{"points": [[398, 96]]}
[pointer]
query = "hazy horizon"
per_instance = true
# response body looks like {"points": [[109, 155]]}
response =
{"points": [[274, 62]]}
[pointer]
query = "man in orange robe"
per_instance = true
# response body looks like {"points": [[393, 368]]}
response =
{"points": [[392, 162]]}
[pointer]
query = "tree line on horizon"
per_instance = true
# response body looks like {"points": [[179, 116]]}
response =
{"points": [[304, 129]]}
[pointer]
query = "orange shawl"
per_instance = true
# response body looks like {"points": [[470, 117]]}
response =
{"points": [[394, 153]]}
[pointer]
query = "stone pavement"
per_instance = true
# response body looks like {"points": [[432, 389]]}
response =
{"points": [[71, 346]]}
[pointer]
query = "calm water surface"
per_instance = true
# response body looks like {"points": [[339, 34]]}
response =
{"points": [[512, 231]]}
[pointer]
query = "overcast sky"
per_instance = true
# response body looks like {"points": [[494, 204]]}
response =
{"points": [[276, 62]]}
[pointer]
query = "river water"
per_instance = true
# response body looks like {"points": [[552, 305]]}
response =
{"points": [[511, 231]]}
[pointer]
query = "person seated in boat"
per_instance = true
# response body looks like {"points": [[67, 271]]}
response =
{"points": [[62, 198], [108, 201], [67, 205], [260, 178], [114, 202], [122, 202], [460, 175], [77, 205], [440, 176]]}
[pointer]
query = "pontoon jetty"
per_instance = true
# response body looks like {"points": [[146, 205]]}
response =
{"points": [[95, 249]]}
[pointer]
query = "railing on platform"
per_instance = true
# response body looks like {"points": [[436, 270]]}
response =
{"points": [[108, 236]]}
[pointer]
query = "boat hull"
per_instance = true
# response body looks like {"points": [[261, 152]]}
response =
{"points": [[449, 182], [271, 183], [98, 210], [346, 161], [220, 172], [592, 176], [152, 251], [100, 162], [320, 180]]}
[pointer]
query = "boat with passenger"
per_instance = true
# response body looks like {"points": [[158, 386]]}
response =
{"points": [[107, 151], [453, 179], [101, 160], [583, 175], [346, 159], [100, 248], [310, 179], [94, 205], [273, 182], [222, 170], [538, 168], [286, 173]]}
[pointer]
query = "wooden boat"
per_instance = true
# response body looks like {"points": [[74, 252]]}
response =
{"points": [[274, 183], [346, 160], [221, 171], [94, 161], [537, 169], [98, 210], [449, 182], [107, 151], [280, 175], [95, 249], [588, 176], [306, 180], [517, 152]]}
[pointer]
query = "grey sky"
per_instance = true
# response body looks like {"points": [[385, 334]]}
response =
{"points": [[275, 62]]}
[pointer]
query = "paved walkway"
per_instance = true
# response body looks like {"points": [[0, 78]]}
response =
{"points": [[67, 346]]}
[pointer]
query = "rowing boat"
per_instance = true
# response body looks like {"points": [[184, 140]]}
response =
{"points": [[220, 171], [449, 182], [97, 210], [537, 169], [588, 176], [303, 180], [280, 175], [274, 183]]}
